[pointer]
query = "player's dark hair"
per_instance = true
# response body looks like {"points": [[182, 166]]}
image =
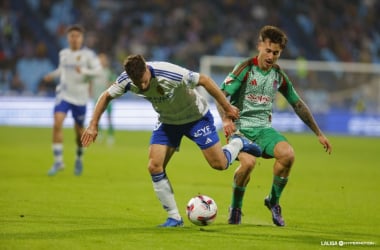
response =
{"points": [[75, 27], [135, 67], [274, 34]]}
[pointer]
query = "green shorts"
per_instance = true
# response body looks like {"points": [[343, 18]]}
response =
{"points": [[266, 138]]}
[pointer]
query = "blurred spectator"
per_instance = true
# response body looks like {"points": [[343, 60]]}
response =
{"points": [[32, 66], [16, 87], [182, 31]]}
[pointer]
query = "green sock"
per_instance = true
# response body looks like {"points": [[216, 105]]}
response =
{"points": [[237, 196], [278, 186], [110, 130]]}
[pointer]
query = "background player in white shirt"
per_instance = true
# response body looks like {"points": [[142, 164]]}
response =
{"points": [[182, 112], [76, 64]]}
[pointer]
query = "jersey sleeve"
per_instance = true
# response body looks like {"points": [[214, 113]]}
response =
{"points": [[93, 64], [120, 86], [287, 90], [57, 72], [235, 78], [191, 78]]}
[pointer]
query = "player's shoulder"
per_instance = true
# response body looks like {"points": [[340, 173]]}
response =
{"points": [[242, 66], [276, 68], [167, 69], [164, 65], [64, 51], [87, 51], [122, 77]]}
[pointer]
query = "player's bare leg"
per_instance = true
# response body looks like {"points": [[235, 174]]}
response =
{"points": [[220, 158], [78, 167], [241, 180], [159, 156], [216, 157], [284, 155], [57, 146]]}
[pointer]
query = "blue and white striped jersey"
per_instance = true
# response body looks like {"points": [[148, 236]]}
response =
{"points": [[172, 93]]}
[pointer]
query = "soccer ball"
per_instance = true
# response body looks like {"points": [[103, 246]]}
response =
{"points": [[201, 210]]}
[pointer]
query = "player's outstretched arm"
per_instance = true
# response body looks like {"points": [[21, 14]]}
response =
{"points": [[211, 87], [304, 113], [91, 132]]}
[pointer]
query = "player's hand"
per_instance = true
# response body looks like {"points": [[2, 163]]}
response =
{"points": [[77, 69], [89, 136], [232, 112], [325, 142], [228, 127]]}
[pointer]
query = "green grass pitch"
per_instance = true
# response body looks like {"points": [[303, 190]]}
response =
{"points": [[329, 198]]}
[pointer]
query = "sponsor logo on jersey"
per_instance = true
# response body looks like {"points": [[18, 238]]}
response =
{"points": [[159, 99], [258, 98]]}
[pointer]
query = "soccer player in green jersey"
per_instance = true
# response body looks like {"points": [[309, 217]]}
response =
{"points": [[252, 86]]}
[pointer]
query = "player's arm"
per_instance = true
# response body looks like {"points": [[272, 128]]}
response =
{"points": [[304, 113], [228, 124], [90, 134], [211, 87], [54, 74], [94, 66], [229, 86], [89, 71]]}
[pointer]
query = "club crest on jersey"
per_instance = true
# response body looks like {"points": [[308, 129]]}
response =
{"points": [[275, 84], [160, 90], [78, 58], [191, 76]]}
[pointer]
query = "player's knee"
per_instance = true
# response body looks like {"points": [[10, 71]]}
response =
{"points": [[287, 158], [57, 128], [247, 161], [218, 166], [155, 168], [284, 153]]}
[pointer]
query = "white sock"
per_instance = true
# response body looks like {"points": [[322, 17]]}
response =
{"points": [[58, 152], [234, 146], [165, 194]]}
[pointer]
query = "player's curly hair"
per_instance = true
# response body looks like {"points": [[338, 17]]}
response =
{"points": [[274, 34], [135, 67]]}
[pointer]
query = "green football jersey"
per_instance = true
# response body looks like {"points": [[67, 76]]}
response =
{"points": [[253, 91]]}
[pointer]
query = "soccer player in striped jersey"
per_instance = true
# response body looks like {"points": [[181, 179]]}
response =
{"points": [[76, 65], [182, 112], [252, 86]]}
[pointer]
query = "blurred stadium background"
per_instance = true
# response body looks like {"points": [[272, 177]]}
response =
{"points": [[333, 55]]}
